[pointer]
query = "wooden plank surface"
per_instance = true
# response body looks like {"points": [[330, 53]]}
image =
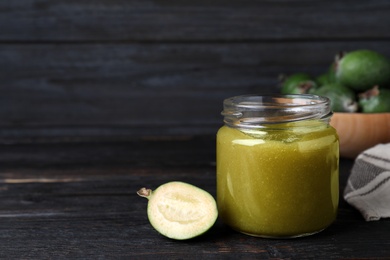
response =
{"points": [[143, 89], [126, 69], [160, 20], [90, 90], [69, 209]]}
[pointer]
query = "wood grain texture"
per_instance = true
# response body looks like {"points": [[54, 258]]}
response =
{"points": [[159, 20], [358, 132], [76, 69], [195, 151], [99, 98], [142, 89], [92, 211]]}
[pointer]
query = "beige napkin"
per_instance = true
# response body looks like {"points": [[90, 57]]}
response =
{"points": [[368, 187]]}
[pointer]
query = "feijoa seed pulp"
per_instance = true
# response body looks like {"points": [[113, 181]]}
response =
{"points": [[180, 210]]}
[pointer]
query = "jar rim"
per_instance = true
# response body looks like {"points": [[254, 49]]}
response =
{"points": [[255, 110]]}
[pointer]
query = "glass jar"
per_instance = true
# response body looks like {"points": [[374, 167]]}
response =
{"points": [[277, 165]]}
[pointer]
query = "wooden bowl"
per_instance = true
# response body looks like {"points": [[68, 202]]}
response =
{"points": [[358, 131]]}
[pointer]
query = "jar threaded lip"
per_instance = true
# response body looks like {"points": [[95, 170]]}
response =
{"points": [[256, 110]]}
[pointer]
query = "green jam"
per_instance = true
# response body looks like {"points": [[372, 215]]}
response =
{"points": [[278, 182]]}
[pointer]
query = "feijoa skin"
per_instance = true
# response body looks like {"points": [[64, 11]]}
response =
{"points": [[375, 100], [361, 70], [327, 77], [298, 83], [180, 210], [342, 99], [323, 79]]}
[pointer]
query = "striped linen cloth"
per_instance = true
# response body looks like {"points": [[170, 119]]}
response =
{"points": [[368, 187]]}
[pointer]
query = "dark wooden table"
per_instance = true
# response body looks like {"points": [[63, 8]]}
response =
{"points": [[69, 200]]}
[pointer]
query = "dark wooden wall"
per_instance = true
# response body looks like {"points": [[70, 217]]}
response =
{"points": [[130, 68]]}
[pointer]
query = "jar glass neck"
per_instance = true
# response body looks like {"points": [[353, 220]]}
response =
{"points": [[255, 111]]}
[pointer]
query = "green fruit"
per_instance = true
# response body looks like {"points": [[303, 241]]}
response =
{"points": [[360, 70], [180, 210], [332, 72], [375, 100], [327, 77], [342, 99], [323, 79], [298, 83]]}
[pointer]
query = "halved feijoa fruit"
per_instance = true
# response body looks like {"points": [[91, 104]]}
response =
{"points": [[180, 210]]}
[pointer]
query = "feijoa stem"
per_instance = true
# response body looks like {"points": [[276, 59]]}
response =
{"points": [[144, 192], [373, 92], [350, 106]]}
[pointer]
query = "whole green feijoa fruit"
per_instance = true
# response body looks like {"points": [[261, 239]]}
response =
{"points": [[180, 210], [323, 79], [360, 70], [298, 83], [342, 98], [327, 77], [332, 72], [375, 100]]}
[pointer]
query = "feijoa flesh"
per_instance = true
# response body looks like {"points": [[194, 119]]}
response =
{"points": [[375, 100], [361, 70], [180, 210]]}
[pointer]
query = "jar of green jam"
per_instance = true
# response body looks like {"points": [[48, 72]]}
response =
{"points": [[277, 165]]}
